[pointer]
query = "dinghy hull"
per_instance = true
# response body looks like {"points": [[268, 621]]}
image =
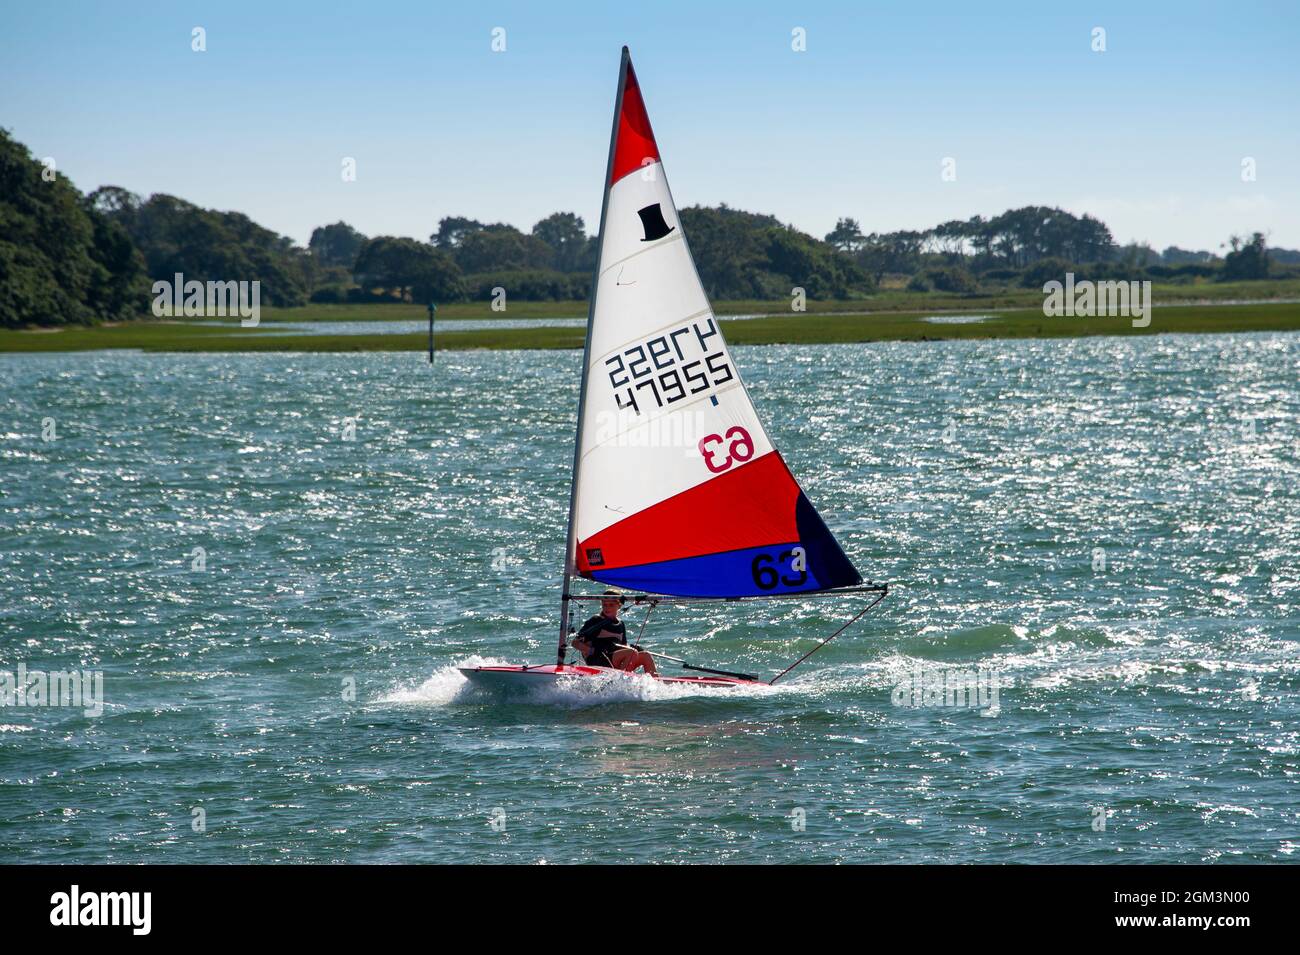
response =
{"points": [[511, 677]]}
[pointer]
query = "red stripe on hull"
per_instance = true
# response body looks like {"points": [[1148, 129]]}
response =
{"points": [[751, 506], [635, 145]]}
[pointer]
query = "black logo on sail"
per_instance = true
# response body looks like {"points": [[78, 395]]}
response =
{"points": [[594, 557], [652, 220]]}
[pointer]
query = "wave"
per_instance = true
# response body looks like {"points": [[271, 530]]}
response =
{"points": [[934, 643]]}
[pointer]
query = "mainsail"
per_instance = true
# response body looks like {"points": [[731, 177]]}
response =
{"points": [[677, 488]]}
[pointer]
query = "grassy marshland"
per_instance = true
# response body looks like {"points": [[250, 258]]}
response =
{"points": [[799, 328]]}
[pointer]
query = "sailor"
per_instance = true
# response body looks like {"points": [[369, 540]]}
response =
{"points": [[602, 640]]}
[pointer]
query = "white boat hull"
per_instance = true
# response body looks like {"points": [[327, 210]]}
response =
{"points": [[522, 677]]}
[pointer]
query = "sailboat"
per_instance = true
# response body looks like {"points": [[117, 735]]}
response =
{"points": [[678, 493]]}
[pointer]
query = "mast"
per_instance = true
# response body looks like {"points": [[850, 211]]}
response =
{"points": [[569, 543]]}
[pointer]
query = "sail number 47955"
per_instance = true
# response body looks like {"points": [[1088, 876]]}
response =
{"points": [[658, 367]]}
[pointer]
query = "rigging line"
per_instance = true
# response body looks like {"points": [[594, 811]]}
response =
{"points": [[646, 620], [860, 615]]}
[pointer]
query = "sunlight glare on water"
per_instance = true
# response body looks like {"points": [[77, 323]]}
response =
{"points": [[1109, 525]]}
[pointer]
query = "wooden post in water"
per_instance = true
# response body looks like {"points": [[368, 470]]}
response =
{"points": [[432, 308]]}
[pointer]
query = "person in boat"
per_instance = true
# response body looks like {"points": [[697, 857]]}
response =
{"points": [[602, 640]]}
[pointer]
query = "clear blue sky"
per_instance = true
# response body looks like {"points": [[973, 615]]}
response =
{"points": [[1149, 135]]}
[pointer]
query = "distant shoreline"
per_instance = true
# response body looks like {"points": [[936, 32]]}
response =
{"points": [[974, 321]]}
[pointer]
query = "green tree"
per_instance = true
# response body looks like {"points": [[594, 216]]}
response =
{"points": [[893, 252], [950, 239], [1019, 237], [730, 249], [335, 245], [206, 245], [1136, 256], [1173, 255], [120, 289], [953, 279], [811, 265], [414, 270], [565, 235], [1044, 271], [452, 229], [502, 246], [846, 236], [1247, 260], [60, 261]]}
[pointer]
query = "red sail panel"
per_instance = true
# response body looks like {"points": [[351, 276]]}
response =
{"points": [[635, 145], [752, 506]]}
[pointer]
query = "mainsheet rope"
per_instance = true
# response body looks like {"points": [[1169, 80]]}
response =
{"points": [[860, 615]]}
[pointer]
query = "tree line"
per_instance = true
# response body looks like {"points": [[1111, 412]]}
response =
{"points": [[69, 258], [744, 255], [61, 261]]}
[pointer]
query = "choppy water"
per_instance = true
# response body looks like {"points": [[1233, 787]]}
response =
{"points": [[1108, 525]]}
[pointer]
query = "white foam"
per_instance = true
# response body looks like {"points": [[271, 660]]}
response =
{"points": [[447, 685], [444, 686], [1126, 657]]}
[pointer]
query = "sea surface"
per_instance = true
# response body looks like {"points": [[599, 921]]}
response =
{"points": [[277, 562]]}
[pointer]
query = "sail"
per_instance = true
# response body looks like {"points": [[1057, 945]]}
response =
{"points": [[678, 489]]}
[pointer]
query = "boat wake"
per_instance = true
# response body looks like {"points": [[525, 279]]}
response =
{"points": [[447, 686], [1031, 666]]}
